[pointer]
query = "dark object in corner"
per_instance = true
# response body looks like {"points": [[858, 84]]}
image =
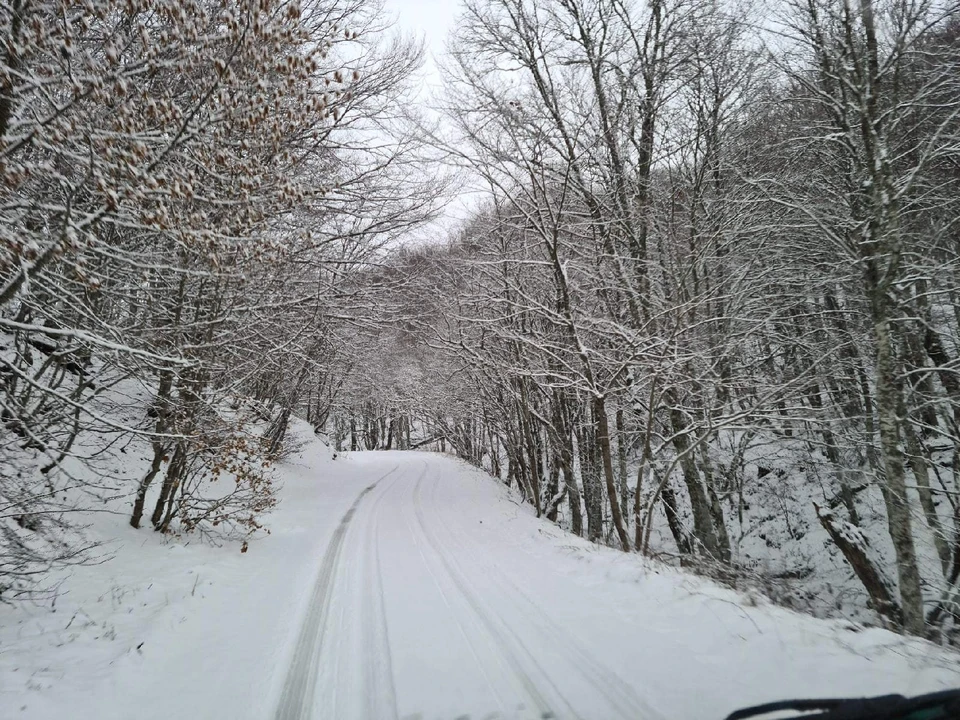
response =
{"points": [[935, 706]]}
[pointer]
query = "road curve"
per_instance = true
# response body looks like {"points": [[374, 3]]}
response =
{"points": [[416, 614]]}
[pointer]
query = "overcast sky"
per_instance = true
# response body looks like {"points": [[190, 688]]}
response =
{"points": [[429, 19]]}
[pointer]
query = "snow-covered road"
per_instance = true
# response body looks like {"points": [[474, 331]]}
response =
{"points": [[415, 610], [412, 586], [439, 596]]}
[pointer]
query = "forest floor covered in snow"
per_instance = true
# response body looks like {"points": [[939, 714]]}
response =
{"points": [[410, 585]]}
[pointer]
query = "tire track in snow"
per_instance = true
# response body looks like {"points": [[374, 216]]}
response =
{"points": [[620, 694], [420, 541], [503, 668], [296, 700], [379, 691], [497, 635]]}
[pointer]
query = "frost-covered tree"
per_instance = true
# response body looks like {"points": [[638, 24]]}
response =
{"points": [[708, 305], [187, 189]]}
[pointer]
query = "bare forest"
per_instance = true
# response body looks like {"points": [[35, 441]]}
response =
{"points": [[705, 304]]}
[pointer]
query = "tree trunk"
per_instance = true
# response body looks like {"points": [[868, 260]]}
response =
{"points": [[948, 378], [622, 466], [553, 492], [895, 495], [277, 431], [669, 499], [137, 516], [603, 441], [833, 455], [161, 408], [573, 498], [703, 529], [918, 464], [170, 483], [851, 544], [716, 509], [592, 493], [533, 452]]}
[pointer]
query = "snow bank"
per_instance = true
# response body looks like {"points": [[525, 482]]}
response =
{"points": [[171, 630], [172, 627], [694, 649]]}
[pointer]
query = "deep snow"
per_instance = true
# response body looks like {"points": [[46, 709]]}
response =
{"points": [[435, 594]]}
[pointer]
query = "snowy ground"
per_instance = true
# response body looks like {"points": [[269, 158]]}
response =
{"points": [[408, 585]]}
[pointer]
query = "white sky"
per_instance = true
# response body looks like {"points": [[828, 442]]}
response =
{"points": [[431, 20]]}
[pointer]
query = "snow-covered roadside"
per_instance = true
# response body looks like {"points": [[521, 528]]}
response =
{"points": [[696, 649], [167, 629], [171, 631]]}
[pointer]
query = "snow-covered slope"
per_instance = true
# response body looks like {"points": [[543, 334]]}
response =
{"points": [[777, 541], [411, 585], [174, 626]]}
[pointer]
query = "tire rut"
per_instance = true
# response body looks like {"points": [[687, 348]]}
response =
{"points": [[622, 697], [420, 540], [490, 626], [296, 699], [379, 692]]}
